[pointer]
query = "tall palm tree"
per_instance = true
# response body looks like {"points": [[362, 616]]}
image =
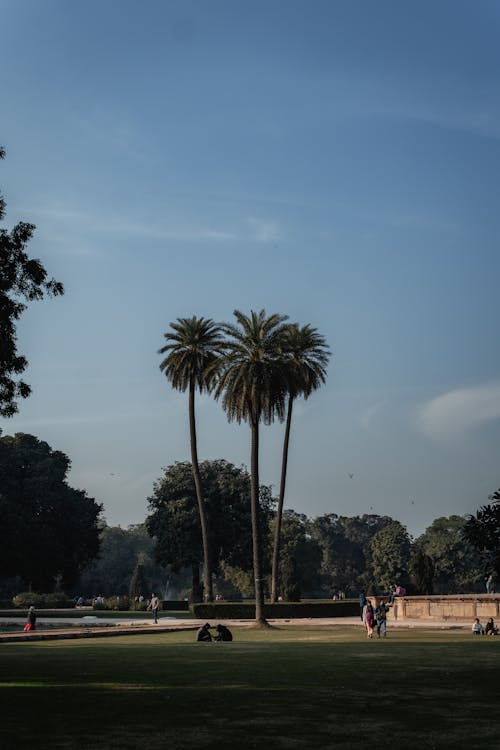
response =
{"points": [[193, 350], [307, 354], [252, 386]]}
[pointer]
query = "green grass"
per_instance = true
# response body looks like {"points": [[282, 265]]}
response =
{"points": [[283, 688]]}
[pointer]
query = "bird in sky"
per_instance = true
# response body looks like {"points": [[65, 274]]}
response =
{"points": [[350, 476]]}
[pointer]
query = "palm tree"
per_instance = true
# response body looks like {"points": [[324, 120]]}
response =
{"points": [[253, 388], [307, 354], [193, 350]]}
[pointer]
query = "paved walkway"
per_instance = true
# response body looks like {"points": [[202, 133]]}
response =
{"points": [[111, 628]]}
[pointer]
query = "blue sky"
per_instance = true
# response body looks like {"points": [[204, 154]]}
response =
{"points": [[334, 161]]}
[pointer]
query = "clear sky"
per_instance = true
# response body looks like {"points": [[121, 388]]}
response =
{"points": [[335, 161]]}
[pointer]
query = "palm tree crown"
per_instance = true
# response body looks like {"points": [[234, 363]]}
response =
{"points": [[308, 353], [193, 349], [251, 379]]}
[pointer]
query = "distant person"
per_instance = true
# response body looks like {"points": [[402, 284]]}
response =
{"points": [[31, 623], [477, 628], [223, 633], [368, 619], [490, 584], [154, 606], [381, 611], [491, 628], [204, 633], [362, 605]]}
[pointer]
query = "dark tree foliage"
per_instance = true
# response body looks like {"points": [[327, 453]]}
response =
{"points": [[174, 519], [300, 557], [346, 545], [48, 528], [138, 581], [390, 549], [120, 550], [422, 571], [457, 564], [22, 279], [482, 530]]}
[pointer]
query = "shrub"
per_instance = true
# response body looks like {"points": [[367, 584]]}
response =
{"points": [[119, 603], [48, 601]]}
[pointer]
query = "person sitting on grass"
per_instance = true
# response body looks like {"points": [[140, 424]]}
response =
{"points": [[204, 633], [223, 633], [477, 628], [491, 628]]}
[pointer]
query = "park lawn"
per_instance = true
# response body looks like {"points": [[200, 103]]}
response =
{"points": [[288, 687]]}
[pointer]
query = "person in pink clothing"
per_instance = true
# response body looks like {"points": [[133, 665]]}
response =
{"points": [[368, 620]]}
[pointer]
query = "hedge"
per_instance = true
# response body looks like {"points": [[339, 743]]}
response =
{"points": [[40, 601], [280, 610]]}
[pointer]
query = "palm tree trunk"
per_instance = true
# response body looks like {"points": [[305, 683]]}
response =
{"points": [[281, 500], [207, 563], [196, 593], [254, 501]]}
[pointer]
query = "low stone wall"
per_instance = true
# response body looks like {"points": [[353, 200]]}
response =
{"points": [[458, 607]]}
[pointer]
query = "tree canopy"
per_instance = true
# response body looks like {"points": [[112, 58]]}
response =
{"points": [[174, 519], [49, 529], [22, 279]]}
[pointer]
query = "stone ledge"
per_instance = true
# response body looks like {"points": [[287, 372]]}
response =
{"points": [[460, 607]]}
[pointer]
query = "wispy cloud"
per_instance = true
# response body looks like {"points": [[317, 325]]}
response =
{"points": [[369, 414], [459, 411], [58, 218], [265, 230]]}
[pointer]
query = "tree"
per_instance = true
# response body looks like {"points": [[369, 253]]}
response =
{"points": [[390, 549], [138, 582], [300, 557], [345, 542], [21, 278], [482, 531], [422, 571], [457, 565], [307, 357], [175, 523], [193, 349], [49, 529], [119, 551], [252, 385]]}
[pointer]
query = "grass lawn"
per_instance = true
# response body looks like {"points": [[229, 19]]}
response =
{"points": [[284, 688]]}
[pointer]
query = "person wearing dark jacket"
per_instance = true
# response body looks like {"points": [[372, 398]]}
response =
{"points": [[31, 623], [223, 633], [204, 633]]}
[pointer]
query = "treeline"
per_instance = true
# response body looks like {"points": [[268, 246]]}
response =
{"points": [[320, 557], [54, 539]]}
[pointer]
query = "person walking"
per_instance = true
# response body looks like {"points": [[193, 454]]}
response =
{"points": [[381, 611], [368, 620], [31, 623], [155, 606], [362, 605]]}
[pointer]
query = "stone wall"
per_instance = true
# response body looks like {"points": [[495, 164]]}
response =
{"points": [[460, 607]]}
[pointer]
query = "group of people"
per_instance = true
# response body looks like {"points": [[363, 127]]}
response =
{"points": [[223, 633], [374, 616], [479, 629]]}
